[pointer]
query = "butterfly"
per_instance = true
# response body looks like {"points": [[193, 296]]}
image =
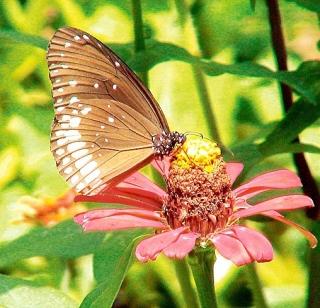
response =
{"points": [[107, 124]]}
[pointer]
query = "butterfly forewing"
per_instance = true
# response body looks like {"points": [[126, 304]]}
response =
{"points": [[105, 117]]}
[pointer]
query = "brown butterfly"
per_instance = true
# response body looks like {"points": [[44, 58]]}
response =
{"points": [[107, 123]]}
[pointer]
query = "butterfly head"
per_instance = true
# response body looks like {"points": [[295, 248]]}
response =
{"points": [[166, 142]]}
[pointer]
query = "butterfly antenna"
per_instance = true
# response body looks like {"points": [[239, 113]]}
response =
{"points": [[193, 134]]}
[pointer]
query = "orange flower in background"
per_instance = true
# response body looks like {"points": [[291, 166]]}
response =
{"points": [[50, 211]]}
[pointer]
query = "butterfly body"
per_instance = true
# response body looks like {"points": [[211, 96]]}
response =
{"points": [[107, 123]]}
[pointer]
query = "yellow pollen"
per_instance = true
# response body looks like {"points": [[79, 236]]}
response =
{"points": [[199, 152]]}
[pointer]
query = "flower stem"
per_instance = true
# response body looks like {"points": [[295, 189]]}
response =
{"points": [[201, 262], [139, 43], [256, 287], [183, 275], [310, 187]]}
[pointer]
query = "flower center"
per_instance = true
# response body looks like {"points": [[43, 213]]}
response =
{"points": [[199, 188]]}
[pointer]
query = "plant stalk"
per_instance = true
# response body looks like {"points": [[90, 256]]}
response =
{"points": [[201, 262], [183, 275], [278, 44], [139, 43], [206, 103], [256, 287], [314, 272]]}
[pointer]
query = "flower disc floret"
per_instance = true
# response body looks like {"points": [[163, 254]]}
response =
{"points": [[199, 188]]}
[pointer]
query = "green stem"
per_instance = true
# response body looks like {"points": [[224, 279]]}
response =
{"points": [[201, 262], [256, 286], [182, 10], [206, 104], [197, 11], [183, 275], [314, 271], [139, 43]]}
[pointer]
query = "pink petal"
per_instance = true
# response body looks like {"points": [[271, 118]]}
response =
{"points": [[310, 237], [162, 166], [150, 248], [242, 245], [136, 190], [182, 246], [283, 203], [101, 213], [257, 245], [279, 179], [231, 248], [113, 219], [233, 170]]}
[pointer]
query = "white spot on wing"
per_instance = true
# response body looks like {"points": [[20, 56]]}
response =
{"points": [[67, 44], [117, 64], [88, 168], [75, 146], [61, 141], [86, 110], [74, 99], [96, 85], [92, 176], [59, 151], [74, 179], [80, 186], [59, 100], [66, 160], [66, 118], [77, 37], [111, 119], [68, 170], [114, 87], [85, 37], [75, 121], [73, 83], [60, 90], [59, 133], [81, 162], [79, 153]]}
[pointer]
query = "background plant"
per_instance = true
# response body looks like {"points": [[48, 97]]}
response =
{"points": [[214, 69]]}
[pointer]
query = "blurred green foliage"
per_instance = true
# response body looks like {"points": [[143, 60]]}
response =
{"points": [[51, 265]]}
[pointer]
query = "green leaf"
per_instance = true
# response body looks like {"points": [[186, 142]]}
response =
{"points": [[253, 5], [17, 293], [63, 240], [305, 80], [296, 148], [19, 37], [300, 116], [111, 263], [312, 5]]}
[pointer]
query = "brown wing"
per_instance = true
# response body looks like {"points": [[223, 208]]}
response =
{"points": [[105, 118]]}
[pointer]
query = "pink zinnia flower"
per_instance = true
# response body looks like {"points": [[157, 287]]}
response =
{"points": [[199, 207]]}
